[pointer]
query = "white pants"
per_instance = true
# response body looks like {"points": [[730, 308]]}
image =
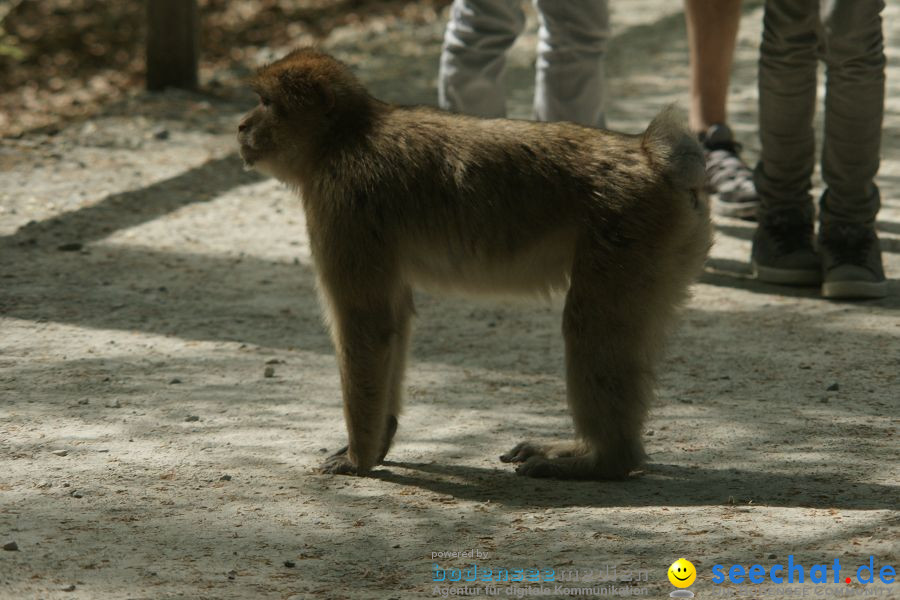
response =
{"points": [[569, 83]]}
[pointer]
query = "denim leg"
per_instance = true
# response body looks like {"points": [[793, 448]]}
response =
{"points": [[853, 52], [473, 59], [787, 101], [569, 83]]}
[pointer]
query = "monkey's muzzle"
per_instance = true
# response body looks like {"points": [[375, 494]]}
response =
{"points": [[248, 155]]}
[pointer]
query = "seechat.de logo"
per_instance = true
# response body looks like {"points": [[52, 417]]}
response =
{"points": [[794, 572]]}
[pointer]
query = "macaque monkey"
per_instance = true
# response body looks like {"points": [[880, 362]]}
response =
{"points": [[398, 196]]}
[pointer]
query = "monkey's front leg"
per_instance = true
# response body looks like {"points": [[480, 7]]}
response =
{"points": [[363, 339]]}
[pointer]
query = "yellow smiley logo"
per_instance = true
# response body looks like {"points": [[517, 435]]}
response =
{"points": [[682, 573]]}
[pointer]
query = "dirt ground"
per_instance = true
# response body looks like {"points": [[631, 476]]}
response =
{"points": [[147, 284]]}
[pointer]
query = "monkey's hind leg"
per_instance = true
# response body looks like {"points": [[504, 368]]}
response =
{"points": [[611, 339], [380, 358]]}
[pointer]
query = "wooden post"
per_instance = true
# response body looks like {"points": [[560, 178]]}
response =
{"points": [[173, 43]]}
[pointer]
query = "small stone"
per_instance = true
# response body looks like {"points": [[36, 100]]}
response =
{"points": [[61, 452], [70, 247], [650, 433], [773, 556], [77, 494], [192, 418], [161, 134], [269, 372], [225, 478], [275, 361], [44, 485], [232, 574], [833, 387], [290, 564], [68, 588], [115, 404], [11, 547], [174, 381]]}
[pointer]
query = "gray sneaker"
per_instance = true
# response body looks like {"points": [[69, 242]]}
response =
{"points": [[729, 180], [783, 250], [851, 262]]}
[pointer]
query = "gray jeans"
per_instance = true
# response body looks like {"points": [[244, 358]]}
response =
{"points": [[569, 84], [847, 36]]}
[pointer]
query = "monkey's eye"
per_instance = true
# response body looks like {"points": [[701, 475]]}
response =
{"points": [[265, 101]]}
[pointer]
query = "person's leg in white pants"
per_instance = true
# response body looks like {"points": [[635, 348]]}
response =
{"points": [[473, 60], [569, 83]]}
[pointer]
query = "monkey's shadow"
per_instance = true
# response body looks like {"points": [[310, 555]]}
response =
{"points": [[656, 485]]}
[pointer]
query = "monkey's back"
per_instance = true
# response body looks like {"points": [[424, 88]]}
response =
{"points": [[498, 204]]}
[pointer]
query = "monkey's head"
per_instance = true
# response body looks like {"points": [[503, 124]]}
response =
{"points": [[307, 102]]}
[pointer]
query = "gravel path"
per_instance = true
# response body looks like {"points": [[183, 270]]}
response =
{"points": [[167, 387]]}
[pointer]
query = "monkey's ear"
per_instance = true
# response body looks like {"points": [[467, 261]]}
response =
{"points": [[304, 91], [326, 96], [322, 93]]}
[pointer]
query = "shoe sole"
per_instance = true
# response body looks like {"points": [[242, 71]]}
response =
{"points": [[849, 290], [735, 210], [786, 276]]}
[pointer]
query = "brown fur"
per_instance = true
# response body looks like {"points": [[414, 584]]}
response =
{"points": [[401, 196]]}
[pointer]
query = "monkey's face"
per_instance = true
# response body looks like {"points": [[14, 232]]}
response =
{"points": [[263, 134], [279, 134], [305, 99], [290, 122]]}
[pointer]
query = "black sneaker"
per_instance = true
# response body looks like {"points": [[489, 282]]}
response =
{"points": [[783, 249], [851, 262], [729, 180]]}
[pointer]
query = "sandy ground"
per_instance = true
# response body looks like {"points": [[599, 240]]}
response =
{"points": [[147, 282]]}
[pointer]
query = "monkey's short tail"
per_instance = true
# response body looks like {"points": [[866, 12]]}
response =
{"points": [[670, 144]]}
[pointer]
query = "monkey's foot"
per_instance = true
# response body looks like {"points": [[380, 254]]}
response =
{"points": [[576, 467], [570, 461], [522, 451]]}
